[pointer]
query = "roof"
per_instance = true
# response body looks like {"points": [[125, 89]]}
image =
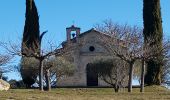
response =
{"points": [[92, 30], [72, 27]]}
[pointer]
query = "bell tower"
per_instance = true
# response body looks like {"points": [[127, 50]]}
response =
{"points": [[72, 33]]}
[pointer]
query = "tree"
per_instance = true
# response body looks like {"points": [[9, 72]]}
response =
{"points": [[28, 68], [166, 66], [153, 29], [4, 59], [15, 50], [41, 57], [30, 41], [127, 43], [31, 35], [112, 71], [56, 68], [166, 73], [124, 42]]}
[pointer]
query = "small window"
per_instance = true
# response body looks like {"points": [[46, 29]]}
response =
{"points": [[91, 48]]}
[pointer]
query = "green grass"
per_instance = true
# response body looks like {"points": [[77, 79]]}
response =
{"points": [[151, 93]]}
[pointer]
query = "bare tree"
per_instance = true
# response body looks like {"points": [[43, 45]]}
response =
{"points": [[166, 73], [4, 59], [125, 42], [166, 63], [112, 71], [13, 49], [57, 68], [41, 57]]}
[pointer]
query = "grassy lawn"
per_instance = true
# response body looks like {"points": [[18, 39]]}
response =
{"points": [[151, 93]]}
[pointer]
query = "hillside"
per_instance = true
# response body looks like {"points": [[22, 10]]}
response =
{"points": [[151, 93]]}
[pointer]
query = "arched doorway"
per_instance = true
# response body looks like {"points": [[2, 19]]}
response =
{"points": [[91, 76]]}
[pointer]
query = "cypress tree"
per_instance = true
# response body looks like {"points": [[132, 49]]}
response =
{"points": [[30, 41], [153, 30], [31, 35]]}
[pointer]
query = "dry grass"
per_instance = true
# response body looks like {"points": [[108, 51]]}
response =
{"points": [[151, 93]]}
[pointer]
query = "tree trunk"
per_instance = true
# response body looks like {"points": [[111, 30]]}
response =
{"points": [[41, 75], [142, 76], [47, 76], [116, 88], [153, 31], [130, 76], [0, 75]]}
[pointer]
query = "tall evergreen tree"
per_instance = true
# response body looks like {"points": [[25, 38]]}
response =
{"points": [[153, 30], [31, 40], [31, 35]]}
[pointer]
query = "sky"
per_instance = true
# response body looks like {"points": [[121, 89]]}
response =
{"points": [[56, 15]]}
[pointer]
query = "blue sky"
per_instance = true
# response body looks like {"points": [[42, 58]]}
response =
{"points": [[56, 15]]}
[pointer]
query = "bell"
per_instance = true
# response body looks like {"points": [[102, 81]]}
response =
{"points": [[73, 35]]}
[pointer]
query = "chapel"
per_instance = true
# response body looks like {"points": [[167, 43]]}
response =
{"points": [[84, 48]]}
